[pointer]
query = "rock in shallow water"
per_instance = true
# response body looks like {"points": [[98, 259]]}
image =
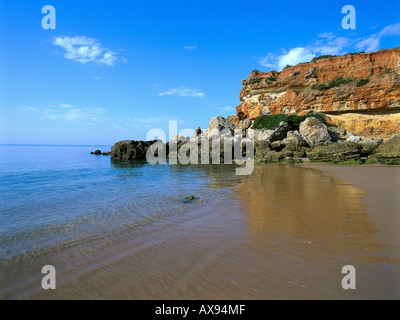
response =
{"points": [[129, 150]]}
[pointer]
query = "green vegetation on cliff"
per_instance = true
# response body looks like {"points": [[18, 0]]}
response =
{"points": [[271, 121], [334, 83]]}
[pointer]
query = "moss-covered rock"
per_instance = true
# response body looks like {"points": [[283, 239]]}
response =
{"points": [[335, 152], [388, 152]]}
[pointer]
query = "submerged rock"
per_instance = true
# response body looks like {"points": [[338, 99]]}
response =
{"points": [[97, 152]]}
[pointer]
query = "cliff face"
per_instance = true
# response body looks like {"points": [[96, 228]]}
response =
{"points": [[365, 83]]}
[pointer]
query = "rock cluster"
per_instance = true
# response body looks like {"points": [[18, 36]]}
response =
{"points": [[314, 140], [98, 152]]}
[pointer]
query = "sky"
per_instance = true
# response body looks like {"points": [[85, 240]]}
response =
{"points": [[113, 70]]}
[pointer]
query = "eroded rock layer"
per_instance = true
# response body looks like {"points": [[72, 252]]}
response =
{"points": [[363, 83]]}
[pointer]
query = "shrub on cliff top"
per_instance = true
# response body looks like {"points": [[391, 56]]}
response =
{"points": [[362, 82], [271, 121], [326, 56]]}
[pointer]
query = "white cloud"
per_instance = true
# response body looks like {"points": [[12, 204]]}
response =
{"points": [[183, 92], [369, 44], [328, 44], [293, 57], [190, 47], [373, 42], [84, 50], [69, 113]]}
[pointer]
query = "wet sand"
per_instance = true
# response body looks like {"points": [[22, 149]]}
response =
{"points": [[382, 186], [284, 232]]}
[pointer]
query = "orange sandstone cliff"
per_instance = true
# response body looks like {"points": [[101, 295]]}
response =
{"points": [[359, 92]]}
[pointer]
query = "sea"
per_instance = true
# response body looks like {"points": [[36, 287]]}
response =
{"points": [[115, 230]]}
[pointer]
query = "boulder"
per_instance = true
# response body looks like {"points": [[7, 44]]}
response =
{"points": [[338, 134], [244, 124], [335, 152], [280, 132], [294, 138], [262, 134], [388, 152], [272, 135], [220, 123], [314, 131], [178, 139], [97, 152], [368, 146], [129, 150], [354, 139]]}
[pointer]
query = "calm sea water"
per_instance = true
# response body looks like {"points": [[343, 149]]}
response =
{"points": [[59, 194]]}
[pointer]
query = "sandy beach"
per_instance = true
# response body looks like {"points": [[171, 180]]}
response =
{"points": [[382, 186], [285, 232]]}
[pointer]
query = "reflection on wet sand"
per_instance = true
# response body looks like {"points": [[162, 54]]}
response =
{"points": [[282, 233], [321, 222], [302, 204]]}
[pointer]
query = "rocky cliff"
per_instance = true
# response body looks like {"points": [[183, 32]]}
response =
{"points": [[359, 92]]}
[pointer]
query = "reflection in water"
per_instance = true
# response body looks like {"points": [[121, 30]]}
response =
{"points": [[302, 204], [283, 232]]}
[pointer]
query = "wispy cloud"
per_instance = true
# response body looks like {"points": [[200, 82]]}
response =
{"points": [[190, 47], [373, 42], [68, 112], [71, 113], [83, 49], [183, 92], [328, 43]]}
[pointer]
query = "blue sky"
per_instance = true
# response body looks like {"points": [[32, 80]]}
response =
{"points": [[112, 70]]}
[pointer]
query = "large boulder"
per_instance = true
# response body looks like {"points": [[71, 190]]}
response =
{"points": [[314, 131], [280, 131], [338, 134], [220, 127], [262, 135], [294, 138], [220, 123], [272, 135], [335, 152], [368, 146], [129, 150], [388, 152]]}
